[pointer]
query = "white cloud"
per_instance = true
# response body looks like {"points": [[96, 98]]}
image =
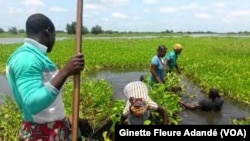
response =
{"points": [[59, 9], [86, 16], [34, 2], [119, 15], [227, 14], [32, 10], [115, 2], [228, 21], [240, 13], [13, 10], [150, 1], [92, 6], [168, 10], [220, 5], [136, 18], [220, 11], [105, 19], [203, 16], [192, 6]]}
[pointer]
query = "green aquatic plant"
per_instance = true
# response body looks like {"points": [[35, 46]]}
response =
{"points": [[9, 120], [207, 61], [161, 94], [241, 121]]}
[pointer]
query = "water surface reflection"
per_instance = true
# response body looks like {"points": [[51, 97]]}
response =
{"points": [[231, 109]]}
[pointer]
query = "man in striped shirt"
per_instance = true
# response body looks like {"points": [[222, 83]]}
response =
{"points": [[36, 82], [138, 91]]}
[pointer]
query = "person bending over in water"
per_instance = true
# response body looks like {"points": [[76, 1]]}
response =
{"points": [[139, 105], [213, 103], [170, 58]]}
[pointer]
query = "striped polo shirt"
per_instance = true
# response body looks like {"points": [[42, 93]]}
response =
{"points": [[137, 89], [29, 72]]}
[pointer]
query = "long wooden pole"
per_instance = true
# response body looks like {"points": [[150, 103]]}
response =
{"points": [[78, 47]]}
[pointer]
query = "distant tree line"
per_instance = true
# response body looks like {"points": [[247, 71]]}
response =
{"points": [[13, 30], [71, 29]]}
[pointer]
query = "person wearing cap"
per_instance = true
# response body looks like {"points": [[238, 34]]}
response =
{"points": [[139, 105], [170, 58], [157, 66], [213, 103]]}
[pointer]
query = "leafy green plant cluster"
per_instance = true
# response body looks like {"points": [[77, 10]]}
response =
{"points": [[96, 101], [243, 121], [9, 120], [219, 62], [162, 94], [208, 61], [6, 50]]}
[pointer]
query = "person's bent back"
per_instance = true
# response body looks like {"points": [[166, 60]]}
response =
{"points": [[139, 105], [213, 103]]}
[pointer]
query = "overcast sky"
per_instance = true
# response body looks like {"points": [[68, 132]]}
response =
{"points": [[134, 15]]}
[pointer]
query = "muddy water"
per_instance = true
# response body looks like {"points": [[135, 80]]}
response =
{"points": [[4, 88], [119, 78], [191, 93], [231, 109]]}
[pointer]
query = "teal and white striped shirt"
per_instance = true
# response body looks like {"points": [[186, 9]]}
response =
{"points": [[29, 72]]}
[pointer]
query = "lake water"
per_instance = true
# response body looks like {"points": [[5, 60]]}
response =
{"points": [[20, 40], [119, 78], [231, 109], [4, 87]]}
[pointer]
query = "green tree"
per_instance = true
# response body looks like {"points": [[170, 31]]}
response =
{"points": [[71, 28], [109, 31], [21, 31], [96, 29], [12, 30], [85, 30], [1, 30]]}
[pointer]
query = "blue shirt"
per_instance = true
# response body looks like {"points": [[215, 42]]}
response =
{"points": [[157, 62]]}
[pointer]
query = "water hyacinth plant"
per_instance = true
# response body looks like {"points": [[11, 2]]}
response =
{"points": [[207, 61]]}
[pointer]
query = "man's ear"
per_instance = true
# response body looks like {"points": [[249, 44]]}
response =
{"points": [[46, 32]]}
